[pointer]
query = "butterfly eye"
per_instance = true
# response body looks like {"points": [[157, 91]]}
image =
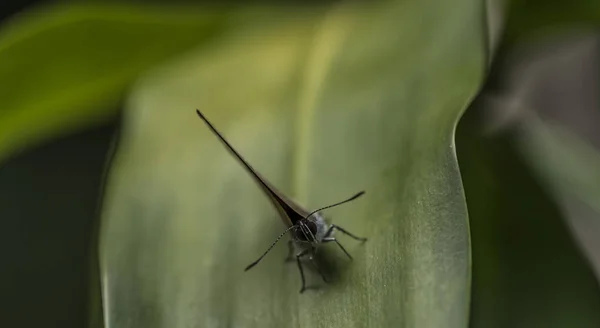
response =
{"points": [[303, 232], [309, 229], [312, 227]]}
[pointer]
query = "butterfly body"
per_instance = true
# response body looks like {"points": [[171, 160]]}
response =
{"points": [[308, 229]]}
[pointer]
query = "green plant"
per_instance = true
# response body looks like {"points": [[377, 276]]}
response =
{"points": [[324, 100]]}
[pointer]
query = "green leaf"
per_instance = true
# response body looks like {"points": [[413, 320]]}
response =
{"points": [[323, 104], [66, 67], [528, 270]]}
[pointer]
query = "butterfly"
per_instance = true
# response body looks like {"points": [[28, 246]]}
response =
{"points": [[309, 229]]}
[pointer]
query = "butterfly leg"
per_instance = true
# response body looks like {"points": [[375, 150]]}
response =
{"points": [[334, 227], [312, 259], [330, 239], [290, 256], [298, 256]]}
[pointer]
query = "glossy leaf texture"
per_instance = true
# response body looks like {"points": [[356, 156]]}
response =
{"points": [[65, 67], [324, 103]]}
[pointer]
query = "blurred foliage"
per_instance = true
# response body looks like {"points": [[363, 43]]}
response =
{"points": [[63, 68], [527, 17], [379, 88], [527, 269], [566, 162]]}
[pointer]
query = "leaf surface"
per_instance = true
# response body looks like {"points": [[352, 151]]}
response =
{"points": [[323, 103]]}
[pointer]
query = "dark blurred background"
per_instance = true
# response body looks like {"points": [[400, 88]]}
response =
{"points": [[46, 235]]}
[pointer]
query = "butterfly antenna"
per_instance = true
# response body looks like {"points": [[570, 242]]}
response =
{"points": [[268, 250], [336, 204]]}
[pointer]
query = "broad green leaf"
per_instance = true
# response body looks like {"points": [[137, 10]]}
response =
{"points": [[528, 270], [65, 67], [323, 103]]}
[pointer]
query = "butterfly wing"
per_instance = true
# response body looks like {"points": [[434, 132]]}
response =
{"points": [[289, 211]]}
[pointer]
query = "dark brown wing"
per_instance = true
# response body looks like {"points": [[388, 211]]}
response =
{"points": [[289, 211]]}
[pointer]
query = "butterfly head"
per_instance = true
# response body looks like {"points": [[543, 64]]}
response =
{"points": [[312, 228]]}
